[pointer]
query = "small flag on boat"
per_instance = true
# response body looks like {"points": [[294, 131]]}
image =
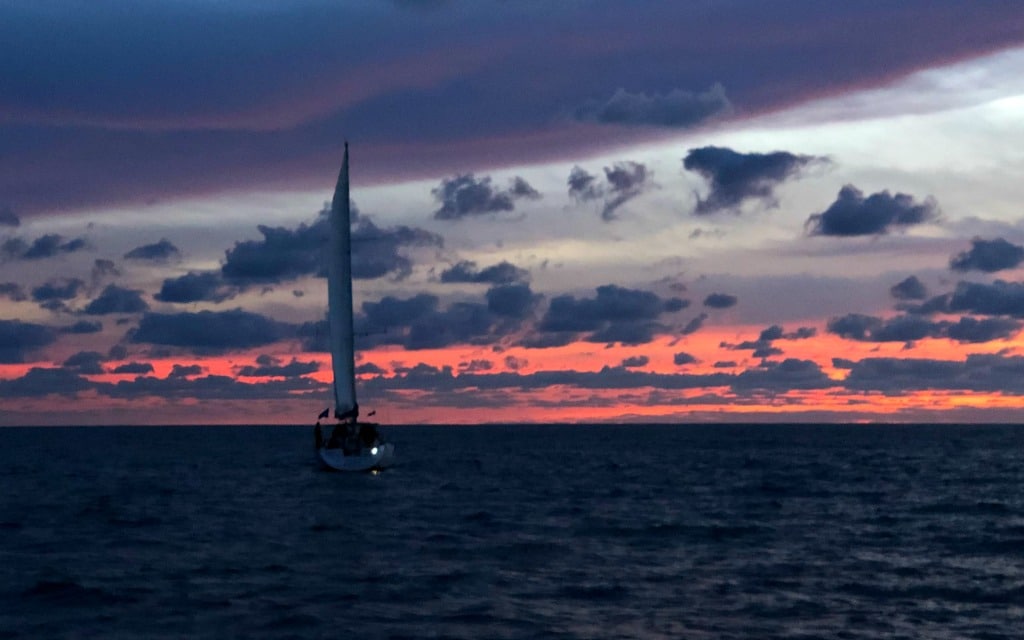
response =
{"points": [[326, 412]]}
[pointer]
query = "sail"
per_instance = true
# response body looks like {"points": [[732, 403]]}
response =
{"points": [[339, 293]]}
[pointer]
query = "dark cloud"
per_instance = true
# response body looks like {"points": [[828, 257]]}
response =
{"points": [[910, 288], [115, 299], [285, 254], [612, 304], [988, 256], [136, 368], [8, 218], [82, 327], [511, 300], [185, 370], [854, 215], [390, 312], [161, 251], [1000, 298], [629, 332], [210, 331], [177, 115], [461, 323], [464, 195], [271, 367], [783, 376], [501, 273], [46, 246], [677, 108], [979, 372], [694, 325], [18, 339], [475, 366], [763, 347], [85, 363], [735, 177], [682, 358], [909, 328], [40, 382], [58, 289], [195, 287], [12, 291], [633, 362], [720, 301]]}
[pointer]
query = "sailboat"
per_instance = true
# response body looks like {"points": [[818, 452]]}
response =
{"points": [[353, 445]]}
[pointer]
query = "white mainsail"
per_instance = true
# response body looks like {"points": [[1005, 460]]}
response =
{"points": [[339, 293]]}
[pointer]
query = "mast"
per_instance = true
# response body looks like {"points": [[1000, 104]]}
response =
{"points": [[339, 294]]}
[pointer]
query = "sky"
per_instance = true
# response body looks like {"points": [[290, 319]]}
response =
{"points": [[584, 211]]}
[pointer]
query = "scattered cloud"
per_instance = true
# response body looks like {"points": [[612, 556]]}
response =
{"points": [[115, 299], [12, 291], [1000, 298], [268, 366], [634, 362], [988, 256], [58, 289], [465, 195], [501, 273], [161, 251], [210, 331], [18, 339], [46, 246], [854, 215], [910, 288], [195, 287], [720, 301], [910, 328], [736, 177], [682, 358], [624, 181]]}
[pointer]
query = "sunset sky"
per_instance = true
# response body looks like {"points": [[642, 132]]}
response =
{"points": [[574, 211]]}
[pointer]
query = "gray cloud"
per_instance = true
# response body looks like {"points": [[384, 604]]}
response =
{"points": [[854, 215], [616, 314], [988, 256], [115, 299], [677, 108], [161, 251], [735, 177], [633, 362], [464, 195], [501, 273]]}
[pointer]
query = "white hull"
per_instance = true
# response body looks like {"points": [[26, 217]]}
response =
{"points": [[366, 461]]}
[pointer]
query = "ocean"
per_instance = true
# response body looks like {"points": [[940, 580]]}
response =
{"points": [[611, 531]]}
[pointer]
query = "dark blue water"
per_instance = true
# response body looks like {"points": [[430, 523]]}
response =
{"points": [[515, 532]]}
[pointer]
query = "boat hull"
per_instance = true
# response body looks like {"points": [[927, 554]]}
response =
{"points": [[335, 459]]}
